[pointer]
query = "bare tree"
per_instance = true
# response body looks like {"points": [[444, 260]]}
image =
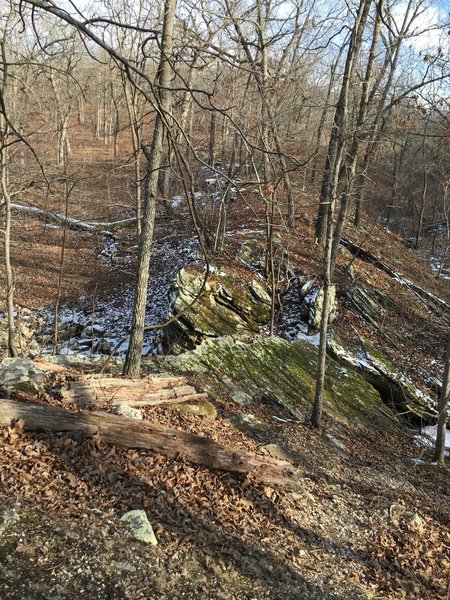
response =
{"points": [[154, 154], [444, 403]]}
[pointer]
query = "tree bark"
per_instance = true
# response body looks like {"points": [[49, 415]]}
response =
{"points": [[444, 401], [133, 359], [131, 433], [339, 131]]}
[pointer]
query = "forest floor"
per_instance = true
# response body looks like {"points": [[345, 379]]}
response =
{"points": [[371, 519]]}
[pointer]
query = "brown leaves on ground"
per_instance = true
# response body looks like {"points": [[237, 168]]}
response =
{"points": [[342, 530]]}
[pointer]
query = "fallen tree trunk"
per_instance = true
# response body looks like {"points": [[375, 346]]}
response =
{"points": [[130, 433], [71, 223], [108, 391]]}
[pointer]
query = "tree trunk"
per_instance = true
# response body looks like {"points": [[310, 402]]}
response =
{"points": [[444, 401], [12, 346], [131, 433], [339, 132], [133, 359], [325, 227]]}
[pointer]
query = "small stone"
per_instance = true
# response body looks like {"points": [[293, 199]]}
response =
{"points": [[140, 526], [277, 451], [125, 566], [9, 517], [338, 445], [416, 521], [128, 411]]}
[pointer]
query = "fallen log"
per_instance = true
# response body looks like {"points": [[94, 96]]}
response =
{"points": [[130, 433], [138, 392], [71, 223], [155, 383]]}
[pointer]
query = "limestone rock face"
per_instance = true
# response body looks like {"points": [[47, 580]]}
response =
{"points": [[226, 306], [25, 330], [274, 367], [315, 307], [20, 374], [395, 388]]}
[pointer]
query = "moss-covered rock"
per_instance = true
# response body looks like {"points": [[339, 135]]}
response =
{"points": [[225, 306], [200, 409], [285, 370], [395, 388], [315, 307]]}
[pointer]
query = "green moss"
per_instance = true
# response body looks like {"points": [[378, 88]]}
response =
{"points": [[226, 306], [286, 370]]}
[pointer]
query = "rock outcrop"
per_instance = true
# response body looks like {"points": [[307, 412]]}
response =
{"points": [[21, 375], [283, 372], [395, 388], [225, 306], [370, 305]]}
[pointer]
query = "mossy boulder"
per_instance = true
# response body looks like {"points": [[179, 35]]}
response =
{"points": [[315, 307], [286, 370], [225, 306], [199, 409]]}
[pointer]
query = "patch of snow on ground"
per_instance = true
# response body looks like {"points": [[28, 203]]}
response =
{"points": [[107, 323], [427, 437]]}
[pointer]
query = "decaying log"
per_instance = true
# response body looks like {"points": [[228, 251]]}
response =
{"points": [[130, 433], [155, 383], [107, 391]]}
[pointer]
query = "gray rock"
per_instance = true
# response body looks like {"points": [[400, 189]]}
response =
{"points": [[20, 374], [248, 423], [128, 411], [25, 325], [416, 521], [277, 451], [361, 302], [140, 526], [338, 445], [9, 517], [241, 397], [223, 306], [125, 566], [315, 307]]}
